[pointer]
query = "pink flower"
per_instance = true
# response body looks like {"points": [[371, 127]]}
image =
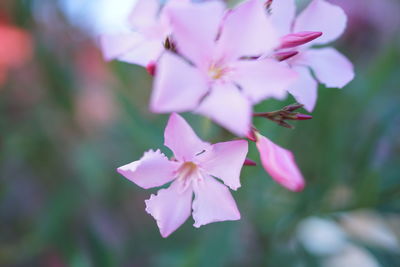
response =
{"points": [[329, 66], [280, 164], [193, 169], [217, 77], [145, 43]]}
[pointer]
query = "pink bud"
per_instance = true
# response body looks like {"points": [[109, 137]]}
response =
{"points": [[281, 56], [151, 68], [299, 38], [280, 164], [252, 136], [303, 117], [249, 162]]}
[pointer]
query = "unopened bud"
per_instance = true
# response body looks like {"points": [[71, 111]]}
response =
{"points": [[299, 38], [303, 117], [249, 162], [268, 3], [151, 68], [292, 107], [281, 56], [252, 135]]}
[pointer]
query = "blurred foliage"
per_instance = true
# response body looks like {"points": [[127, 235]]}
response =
{"points": [[63, 204]]}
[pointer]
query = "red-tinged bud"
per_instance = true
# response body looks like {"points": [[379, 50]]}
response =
{"points": [[281, 56], [151, 68], [268, 3], [303, 117], [299, 38], [249, 162], [252, 135], [293, 107]]}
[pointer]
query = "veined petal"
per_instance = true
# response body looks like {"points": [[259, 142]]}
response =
{"points": [[212, 202], [182, 140], [261, 79], [195, 28], [282, 15], [115, 45], [225, 161], [170, 207], [280, 164], [324, 17], [178, 86], [227, 106], [152, 170], [144, 14], [330, 67], [247, 31], [305, 89]]}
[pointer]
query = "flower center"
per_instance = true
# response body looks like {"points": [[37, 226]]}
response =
{"points": [[218, 71], [187, 169]]}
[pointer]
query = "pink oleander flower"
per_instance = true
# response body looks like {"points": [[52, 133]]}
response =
{"points": [[329, 66], [191, 171], [214, 74], [280, 164], [145, 43]]}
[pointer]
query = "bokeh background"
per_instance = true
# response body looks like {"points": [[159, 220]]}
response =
{"points": [[68, 120]]}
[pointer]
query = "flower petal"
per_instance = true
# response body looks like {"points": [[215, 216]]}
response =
{"points": [[144, 13], [170, 207], [182, 140], [324, 17], [247, 31], [178, 86], [280, 164], [144, 53], [195, 28], [227, 106], [152, 170], [282, 15], [212, 202], [305, 89], [225, 161], [115, 45], [330, 67], [261, 79]]}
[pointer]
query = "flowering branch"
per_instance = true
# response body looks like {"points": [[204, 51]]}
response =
{"points": [[286, 113]]}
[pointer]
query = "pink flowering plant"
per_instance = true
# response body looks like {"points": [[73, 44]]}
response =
{"points": [[219, 63]]}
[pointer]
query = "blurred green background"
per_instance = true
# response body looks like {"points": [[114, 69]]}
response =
{"points": [[68, 120]]}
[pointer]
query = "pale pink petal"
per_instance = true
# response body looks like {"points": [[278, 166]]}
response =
{"points": [[195, 28], [261, 79], [282, 15], [212, 202], [182, 140], [227, 106], [152, 170], [144, 13], [247, 31], [322, 16], [225, 161], [170, 207], [115, 45], [280, 164], [178, 86], [144, 53], [305, 89], [330, 67]]}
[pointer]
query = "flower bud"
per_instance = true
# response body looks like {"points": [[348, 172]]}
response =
{"points": [[281, 56], [249, 162], [151, 68], [299, 38]]}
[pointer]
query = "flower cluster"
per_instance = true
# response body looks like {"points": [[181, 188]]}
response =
{"points": [[219, 63]]}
